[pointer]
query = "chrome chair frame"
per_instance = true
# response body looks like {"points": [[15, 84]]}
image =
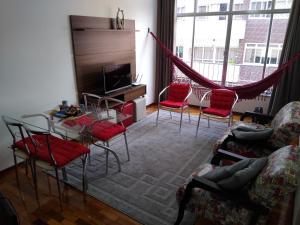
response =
{"points": [[93, 139], [45, 165], [229, 117], [17, 153], [170, 109]]}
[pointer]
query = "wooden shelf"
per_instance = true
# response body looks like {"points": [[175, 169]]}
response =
{"points": [[102, 30], [129, 94]]}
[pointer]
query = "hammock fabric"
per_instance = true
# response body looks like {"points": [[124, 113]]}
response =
{"points": [[247, 91]]}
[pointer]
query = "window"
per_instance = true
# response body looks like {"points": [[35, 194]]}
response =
{"points": [[255, 54], [181, 9], [249, 52], [223, 8], [179, 51], [260, 5]]}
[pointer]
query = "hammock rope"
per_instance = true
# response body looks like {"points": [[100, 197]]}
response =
{"points": [[246, 91]]}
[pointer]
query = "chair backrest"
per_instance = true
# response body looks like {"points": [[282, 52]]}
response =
{"points": [[286, 125], [222, 99], [91, 100], [16, 129], [278, 178], [178, 91]]}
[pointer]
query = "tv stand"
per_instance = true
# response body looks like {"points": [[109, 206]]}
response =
{"points": [[129, 93]]}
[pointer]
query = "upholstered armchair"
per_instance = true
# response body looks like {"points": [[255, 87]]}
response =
{"points": [[286, 129], [244, 197]]}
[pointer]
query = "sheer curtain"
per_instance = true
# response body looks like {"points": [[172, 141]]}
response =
{"points": [[288, 88], [165, 32]]}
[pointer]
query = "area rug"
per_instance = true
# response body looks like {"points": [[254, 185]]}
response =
{"points": [[161, 159]]}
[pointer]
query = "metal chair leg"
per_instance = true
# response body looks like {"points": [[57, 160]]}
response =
{"points": [[16, 170], [34, 178], [106, 165], [64, 173], [49, 184], [58, 188], [199, 118], [208, 124], [114, 154], [180, 119], [188, 109], [84, 179], [157, 115], [126, 143]]}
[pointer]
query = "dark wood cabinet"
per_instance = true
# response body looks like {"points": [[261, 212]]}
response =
{"points": [[96, 44]]}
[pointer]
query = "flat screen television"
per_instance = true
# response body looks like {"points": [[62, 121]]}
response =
{"points": [[116, 77]]}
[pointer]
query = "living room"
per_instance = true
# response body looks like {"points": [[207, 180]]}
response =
{"points": [[38, 71]]}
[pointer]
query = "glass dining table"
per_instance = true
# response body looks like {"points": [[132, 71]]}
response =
{"points": [[79, 127], [82, 127]]}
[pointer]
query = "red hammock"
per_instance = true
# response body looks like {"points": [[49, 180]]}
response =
{"points": [[247, 91]]}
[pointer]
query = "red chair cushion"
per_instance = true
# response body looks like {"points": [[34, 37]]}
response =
{"points": [[172, 104], [217, 112], [105, 130], [222, 99], [63, 151], [178, 92], [83, 120]]}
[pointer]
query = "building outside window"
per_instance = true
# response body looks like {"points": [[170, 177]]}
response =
{"points": [[232, 42]]}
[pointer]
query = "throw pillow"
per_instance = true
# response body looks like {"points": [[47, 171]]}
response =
{"points": [[236, 176]]}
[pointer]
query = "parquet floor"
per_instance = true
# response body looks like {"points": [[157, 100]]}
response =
{"points": [[78, 210]]}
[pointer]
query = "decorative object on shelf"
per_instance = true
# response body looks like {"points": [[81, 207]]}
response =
{"points": [[120, 19]]}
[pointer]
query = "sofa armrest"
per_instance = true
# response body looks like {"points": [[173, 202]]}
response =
{"points": [[223, 154]]}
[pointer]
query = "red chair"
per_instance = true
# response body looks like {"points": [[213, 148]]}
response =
{"points": [[178, 94], [105, 130], [50, 152], [18, 133], [222, 102]]}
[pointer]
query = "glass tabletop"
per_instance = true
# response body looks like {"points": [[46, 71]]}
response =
{"points": [[83, 124]]}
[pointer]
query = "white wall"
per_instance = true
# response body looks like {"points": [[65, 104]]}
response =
{"points": [[36, 62]]}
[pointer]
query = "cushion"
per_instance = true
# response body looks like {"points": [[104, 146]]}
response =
{"points": [[222, 99], [172, 104], [105, 130], [249, 133], [178, 91], [217, 112], [236, 176], [63, 151], [286, 125], [278, 178]]}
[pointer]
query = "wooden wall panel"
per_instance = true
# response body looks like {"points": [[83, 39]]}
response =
{"points": [[89, 67], [95, 44]]}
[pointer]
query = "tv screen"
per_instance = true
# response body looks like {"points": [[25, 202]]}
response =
{"points": [[116, 77]]}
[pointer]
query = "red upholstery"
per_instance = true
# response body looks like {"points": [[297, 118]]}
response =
{"points": [[178, 91], [128, 109], [81, 121], [105, 130], [222, 99], [172, 104], [102, 130], [63, 151], [217, 112]]}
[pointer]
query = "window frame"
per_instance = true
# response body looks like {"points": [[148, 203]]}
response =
{"points": [[230, 13]]}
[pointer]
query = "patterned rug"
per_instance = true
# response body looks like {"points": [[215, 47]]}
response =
{"points": [[161, 159]]}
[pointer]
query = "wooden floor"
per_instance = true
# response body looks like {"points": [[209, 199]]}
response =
{"points": [[77, 209]]}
